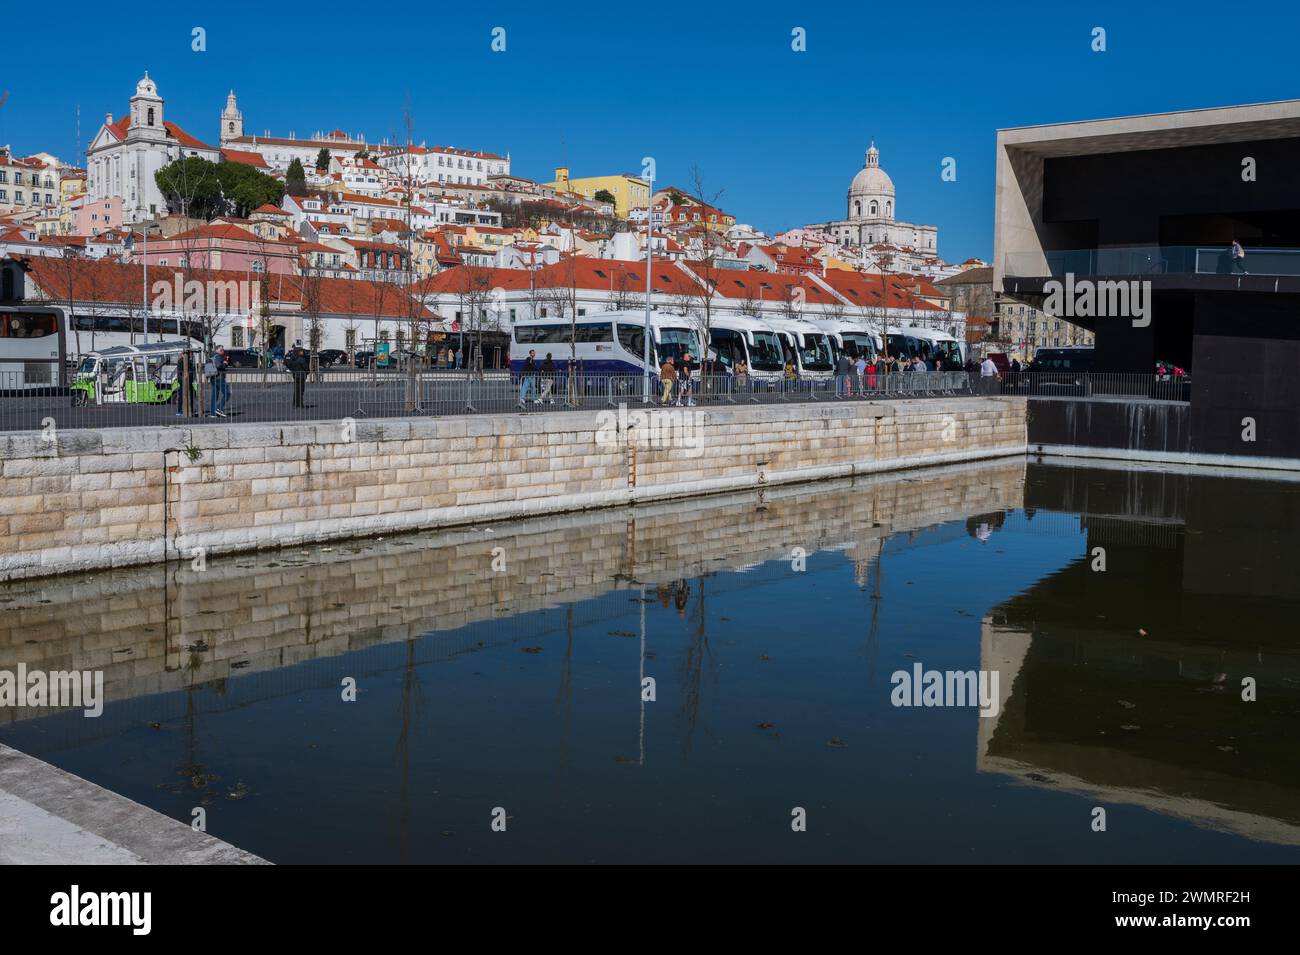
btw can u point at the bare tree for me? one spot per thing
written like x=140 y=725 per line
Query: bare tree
x=623 y=294
x=751 y=301
x=707 y=266
x=473 y=293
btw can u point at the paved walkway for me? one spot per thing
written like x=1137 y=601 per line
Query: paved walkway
x=49 y=817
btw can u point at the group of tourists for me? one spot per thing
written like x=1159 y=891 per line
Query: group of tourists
x=537 y=380
x=865 y=374
x=673 y=375
x=297 y=362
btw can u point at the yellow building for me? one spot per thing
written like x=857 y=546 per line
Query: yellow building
x=629 y=192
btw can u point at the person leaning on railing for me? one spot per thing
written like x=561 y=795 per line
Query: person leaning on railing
x=742 y=375
x=988 y=376
x=790 y=376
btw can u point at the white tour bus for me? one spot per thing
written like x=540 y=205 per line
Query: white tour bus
x=927 y=343
x=811 y=347
x=33 y=353
x=736 y=338
x=607 y=343
x=851 y=337
x=90 y=333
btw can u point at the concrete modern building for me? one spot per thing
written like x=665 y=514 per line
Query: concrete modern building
x=1125 y=226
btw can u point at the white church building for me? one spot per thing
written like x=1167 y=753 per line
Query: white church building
x=870 y=214
x=125 y=154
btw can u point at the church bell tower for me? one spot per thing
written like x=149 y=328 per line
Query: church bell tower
x=232 y=120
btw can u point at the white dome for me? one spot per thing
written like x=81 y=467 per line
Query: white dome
x=871 y=180
x=146 y=86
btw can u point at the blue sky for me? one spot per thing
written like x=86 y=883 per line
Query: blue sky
x=781 y=133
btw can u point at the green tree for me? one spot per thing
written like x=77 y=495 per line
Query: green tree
x=295 y=180
x=205 y=190
x=604 y=195
x=322 y=160
x=245 y=188
x=192 y=187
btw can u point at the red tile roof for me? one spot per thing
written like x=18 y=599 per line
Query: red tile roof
x=245 y=158
x=108 y=282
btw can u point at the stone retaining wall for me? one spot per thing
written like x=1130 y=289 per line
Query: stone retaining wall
x=80 y=500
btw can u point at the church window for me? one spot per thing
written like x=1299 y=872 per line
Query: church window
x=232 y=127
x=857 y=208
x=150 y=122
x=875 y=209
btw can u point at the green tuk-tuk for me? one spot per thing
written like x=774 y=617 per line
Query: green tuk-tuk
x=136 y=374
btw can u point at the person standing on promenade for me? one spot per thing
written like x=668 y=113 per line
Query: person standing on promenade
x=297 y=364
x=220 y=394
x=667 y=375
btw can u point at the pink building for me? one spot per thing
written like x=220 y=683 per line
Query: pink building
x=221 y=246
x=93 y=216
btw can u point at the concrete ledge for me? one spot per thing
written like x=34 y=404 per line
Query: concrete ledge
x=49 y=817
x=1236 y=461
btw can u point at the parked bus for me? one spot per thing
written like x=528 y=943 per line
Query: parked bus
x=33 y=354
x=852 y=338
x=607 y=343
x=736 y=338
x=927 y=343
x=89 y=333
x=813 y=353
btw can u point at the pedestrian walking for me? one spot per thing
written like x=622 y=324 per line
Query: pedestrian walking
x=528 y=379
x=684 y=383
x=220 y=391
x=742 y=376
x=548 y=379
x=298 y=364
x=667 y=375
x=1237 y=255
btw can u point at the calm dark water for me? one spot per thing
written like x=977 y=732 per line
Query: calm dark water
x=520 y=689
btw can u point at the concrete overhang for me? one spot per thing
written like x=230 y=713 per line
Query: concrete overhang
x=1197 y=127
x=1022 y=153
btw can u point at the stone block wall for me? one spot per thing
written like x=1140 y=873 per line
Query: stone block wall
x=96 y=499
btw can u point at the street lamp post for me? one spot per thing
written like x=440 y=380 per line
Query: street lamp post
x=144 y=292
x=649 y=278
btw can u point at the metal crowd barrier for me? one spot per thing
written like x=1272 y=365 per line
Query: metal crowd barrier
x=361 y=393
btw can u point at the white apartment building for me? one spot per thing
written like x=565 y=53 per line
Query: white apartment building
x=443 y=164
x=27 y=185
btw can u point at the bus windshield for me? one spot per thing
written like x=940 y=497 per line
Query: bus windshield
x=950 y=351
x=858 y=343
x=815 y=353
x=900 y=346
x=677 y=342
x=765 y=353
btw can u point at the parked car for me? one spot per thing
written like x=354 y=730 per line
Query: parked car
x=332 y=356
x=362 y=359
x=244 y=357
